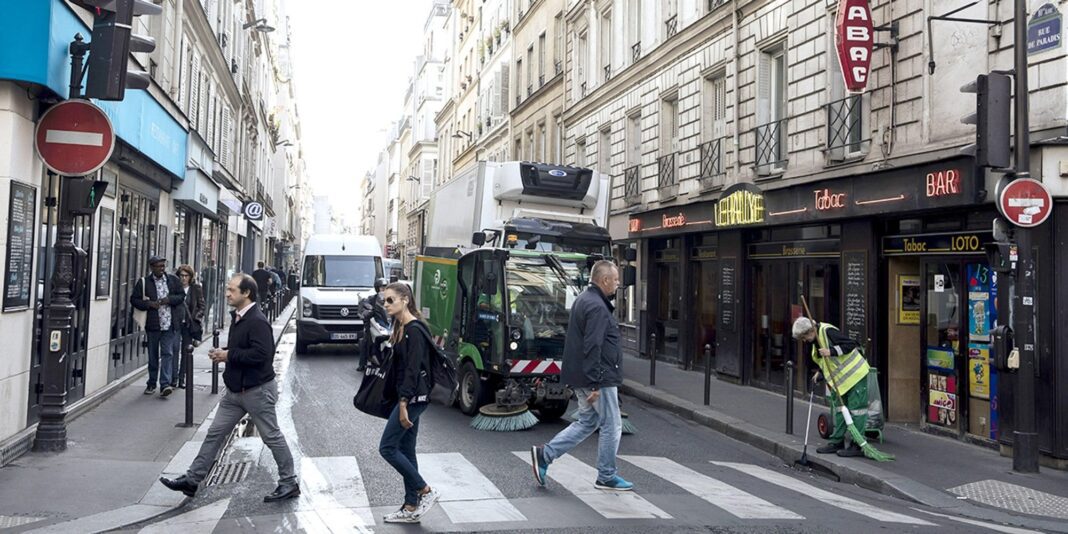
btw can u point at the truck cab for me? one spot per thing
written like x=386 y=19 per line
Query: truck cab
x=337 y=271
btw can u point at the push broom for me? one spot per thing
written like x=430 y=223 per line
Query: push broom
x=858 y=437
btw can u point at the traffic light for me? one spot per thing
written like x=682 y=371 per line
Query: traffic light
x=111 y=45
x=993 y=97
x=83 y=196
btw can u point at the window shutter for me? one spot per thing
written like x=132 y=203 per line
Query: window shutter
x=194 y=91
x=202 y=113
x=210 y=134
x=227 y=139
x=764 y=90
x=719 y=107
x=496 y=106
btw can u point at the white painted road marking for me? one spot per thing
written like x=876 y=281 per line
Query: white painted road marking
x=984 y=524
x=578 y=478
x=467 y=496
x=71 y=137
x=825 y=497
x=735 y=501
x=200 y=520
x=335 y=481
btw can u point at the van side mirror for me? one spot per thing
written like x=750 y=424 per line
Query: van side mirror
x=630 y=275
x=478 y=239
x=630 y=254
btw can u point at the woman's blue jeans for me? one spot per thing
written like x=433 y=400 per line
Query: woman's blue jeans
x=397 y=447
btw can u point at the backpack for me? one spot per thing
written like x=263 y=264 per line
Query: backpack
x=442 y=369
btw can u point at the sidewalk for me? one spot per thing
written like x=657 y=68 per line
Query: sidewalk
x=927 y=468
x=107 y=476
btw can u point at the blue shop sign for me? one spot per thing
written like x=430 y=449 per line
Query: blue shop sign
x=34 y=37
x=1044 y=30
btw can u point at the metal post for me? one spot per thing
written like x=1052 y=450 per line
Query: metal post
x=708 y=373
x=187 y=362
x=790 y=396
x=1025 y=436
x=215 y=365
x=51 y=435
x=652 y=359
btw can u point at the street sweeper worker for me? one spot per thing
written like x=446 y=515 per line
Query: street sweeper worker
x=839 y=360
x=592 y=360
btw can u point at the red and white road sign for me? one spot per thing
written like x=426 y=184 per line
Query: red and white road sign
x=1025 y=202
x=74 y=138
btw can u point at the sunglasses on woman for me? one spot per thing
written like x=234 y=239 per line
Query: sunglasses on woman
x=390 y=300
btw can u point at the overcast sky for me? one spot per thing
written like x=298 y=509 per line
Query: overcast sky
x=351 y=60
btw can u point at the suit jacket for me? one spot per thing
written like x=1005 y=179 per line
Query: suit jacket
x=250 y=351
x=175 y=297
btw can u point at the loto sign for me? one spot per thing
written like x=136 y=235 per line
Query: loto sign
x=854 y=38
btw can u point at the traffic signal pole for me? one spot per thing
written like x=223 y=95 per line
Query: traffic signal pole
x=1025 y=436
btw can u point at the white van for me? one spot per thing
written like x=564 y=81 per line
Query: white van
x=337 y=271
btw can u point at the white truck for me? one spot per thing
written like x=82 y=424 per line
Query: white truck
x=534 y=206
x=337 y=272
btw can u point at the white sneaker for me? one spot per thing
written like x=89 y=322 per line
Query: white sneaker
x=401 y=516
x=426 y=502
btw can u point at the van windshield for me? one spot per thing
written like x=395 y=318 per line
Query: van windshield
x=341 y=271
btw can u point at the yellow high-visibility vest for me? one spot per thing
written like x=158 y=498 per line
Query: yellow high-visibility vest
x=844 y=371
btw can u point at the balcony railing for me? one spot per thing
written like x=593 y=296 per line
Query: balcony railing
x=558 y=67
x=667 y=176
x=636 y=51
x=712 y=164
x=672 y=26
x=845 y=127
x=632 y=185
x=713 y=4
x=530 y=90
x=582 y=89
x=770 y=147
x=608 y=71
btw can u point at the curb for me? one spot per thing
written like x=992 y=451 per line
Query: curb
x=856 y=472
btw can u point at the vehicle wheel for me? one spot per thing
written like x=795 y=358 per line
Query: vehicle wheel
x=550 y=410
x=302 y=345
x=825 y=425
x=473 y=392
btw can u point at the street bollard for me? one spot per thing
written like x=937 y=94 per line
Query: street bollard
x=187 y=359
x=215 y=365
x=652 y=359
x=790 y=396
x=708 y=373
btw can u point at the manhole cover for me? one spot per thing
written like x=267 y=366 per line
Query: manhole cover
x=1016 y=498
x=11 y=521
x=228 y=473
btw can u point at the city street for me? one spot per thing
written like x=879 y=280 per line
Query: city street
x=687 y=477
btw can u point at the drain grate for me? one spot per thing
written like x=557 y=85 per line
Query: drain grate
x=12 y=521
x=1014 y=498
x=228 y=473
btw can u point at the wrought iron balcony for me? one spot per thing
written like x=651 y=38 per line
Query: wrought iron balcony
x=672 y=26
x=712 y=163
x=667 y=175
x=845 y=127
x=632 y=185
x=770 y=146
x=713 y=4
x=636 y=51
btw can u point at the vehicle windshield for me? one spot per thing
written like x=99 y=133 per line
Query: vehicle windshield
x=539 y=301
x=341 y=271
x=544 y=243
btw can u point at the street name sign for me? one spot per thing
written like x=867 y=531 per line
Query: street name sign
x=74 y=138
x=1025 y=202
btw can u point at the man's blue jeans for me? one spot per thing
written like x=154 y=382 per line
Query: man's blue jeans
x=604 y=414
x=398 y=448
x=161 y=347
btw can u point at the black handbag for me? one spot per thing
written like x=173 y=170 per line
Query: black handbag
x=377 y=394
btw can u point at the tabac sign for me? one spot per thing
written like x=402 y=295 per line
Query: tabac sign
x=853 y=40
x=740 y=205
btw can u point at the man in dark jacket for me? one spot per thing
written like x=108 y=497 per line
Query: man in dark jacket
x=264 y=280
x=592 y=359
x=251 y=389
x=160 y=295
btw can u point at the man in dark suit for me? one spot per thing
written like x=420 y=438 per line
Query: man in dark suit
x=160 y=295
x=251 y=389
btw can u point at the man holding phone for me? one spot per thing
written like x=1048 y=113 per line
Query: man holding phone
x=158 y=294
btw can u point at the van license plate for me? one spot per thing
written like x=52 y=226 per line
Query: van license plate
x=344 y=336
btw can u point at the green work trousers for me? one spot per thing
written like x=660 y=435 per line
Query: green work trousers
x=856 y=400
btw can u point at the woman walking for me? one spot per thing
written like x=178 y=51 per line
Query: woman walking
x=193 y=319
x=411 y=364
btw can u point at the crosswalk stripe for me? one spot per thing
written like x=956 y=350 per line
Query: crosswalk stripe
x=467 y=496
x=332 y=489
x=984 y=524
x=733 y=500
x=200 y=520
x=578 y=478
x=826 y=497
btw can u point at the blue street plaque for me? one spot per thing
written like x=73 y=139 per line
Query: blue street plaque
x=1044 y=30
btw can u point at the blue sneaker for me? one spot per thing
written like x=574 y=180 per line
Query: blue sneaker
x=537 y=461
x=616 y=484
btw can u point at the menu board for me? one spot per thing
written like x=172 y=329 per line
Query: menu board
x=103 y=253
x=22 y=214
x=727 y=290
x=855 y=295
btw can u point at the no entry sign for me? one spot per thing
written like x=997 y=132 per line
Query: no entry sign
x=1025 y=202
x=74 y=138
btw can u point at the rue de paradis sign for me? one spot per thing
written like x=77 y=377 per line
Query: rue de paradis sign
x=935 y=185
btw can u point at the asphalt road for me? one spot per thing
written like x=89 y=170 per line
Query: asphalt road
x=690 y=478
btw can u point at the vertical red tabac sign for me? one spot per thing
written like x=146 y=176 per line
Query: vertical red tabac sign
x=853 y=39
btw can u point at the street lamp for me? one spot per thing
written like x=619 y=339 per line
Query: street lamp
x=259 y=25
x=284 y=142
x=456 y=135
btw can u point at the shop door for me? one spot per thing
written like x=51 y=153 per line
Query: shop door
x=706 y=310
x=822 y=289
x=668 y=308
x=135 y=241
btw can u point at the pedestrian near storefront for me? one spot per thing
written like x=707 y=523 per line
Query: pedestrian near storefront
x=840 y=359
x=251 y=389
x=158 y=295
x=192 y=318
x=592 y=360
x=414 y=381
x=264 y=280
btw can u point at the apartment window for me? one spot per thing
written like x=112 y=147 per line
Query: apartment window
x=530 y=146
x=558 y=46
x=713 y=128
x=771 y=111
x=558 y=139
x=530 y=71
x=518 y=152
x=604 y=151
x=671 y=18
x=541 y=59
x=581 y=55
x=519 y=81
x=634 y=28
x=606 y=45
x=634 y=139
x=580 y=152
x=669 y=144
